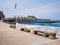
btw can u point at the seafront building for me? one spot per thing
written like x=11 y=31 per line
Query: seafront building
x=28 y=19
x=9 y=20
x=2 y=15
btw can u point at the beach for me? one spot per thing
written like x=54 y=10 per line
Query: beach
x=10 y=36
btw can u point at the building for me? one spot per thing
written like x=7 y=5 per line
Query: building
x=30 y=19
x=1 y=15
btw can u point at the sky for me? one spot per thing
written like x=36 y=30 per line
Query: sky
x=46 y=9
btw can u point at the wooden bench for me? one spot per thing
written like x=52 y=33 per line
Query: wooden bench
x=41 y=32
x=13 y=26
x=25 y=29
x=46 y=34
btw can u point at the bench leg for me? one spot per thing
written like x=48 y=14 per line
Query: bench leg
x=35 y=32
x=22 y=29
x=45 y=35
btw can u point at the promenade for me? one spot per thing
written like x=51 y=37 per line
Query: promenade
x=9 y=36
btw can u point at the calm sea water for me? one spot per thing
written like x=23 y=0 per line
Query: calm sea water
x=44 y=24
x=47 y=24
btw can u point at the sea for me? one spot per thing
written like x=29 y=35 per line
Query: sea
x=44 y=24
x=56 y=26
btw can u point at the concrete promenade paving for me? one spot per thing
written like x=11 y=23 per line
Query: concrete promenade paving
x=9 y=36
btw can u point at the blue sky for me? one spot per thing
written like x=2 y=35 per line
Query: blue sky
x=47 y=9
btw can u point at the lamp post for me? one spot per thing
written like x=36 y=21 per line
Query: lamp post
x=15 y=18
